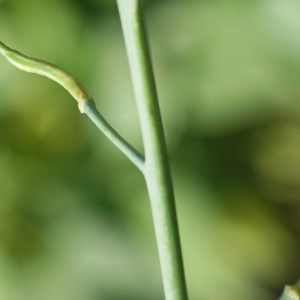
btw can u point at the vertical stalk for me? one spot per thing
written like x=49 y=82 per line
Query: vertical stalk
x=157 y=172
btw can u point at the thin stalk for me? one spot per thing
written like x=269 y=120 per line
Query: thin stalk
x=88 y=107
x=157 y=172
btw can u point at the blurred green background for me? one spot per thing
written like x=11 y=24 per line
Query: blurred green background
x=75 y=220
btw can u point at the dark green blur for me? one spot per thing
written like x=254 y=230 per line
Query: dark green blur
x=75 y=221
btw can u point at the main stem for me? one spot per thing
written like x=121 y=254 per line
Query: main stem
x=157 y=171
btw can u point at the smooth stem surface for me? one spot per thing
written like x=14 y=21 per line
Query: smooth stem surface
x=88 y=107
x=157 y=171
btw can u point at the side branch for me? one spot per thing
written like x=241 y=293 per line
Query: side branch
x=89 y=107
x=73 y=86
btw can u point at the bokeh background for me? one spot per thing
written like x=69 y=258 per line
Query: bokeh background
x=75 y=220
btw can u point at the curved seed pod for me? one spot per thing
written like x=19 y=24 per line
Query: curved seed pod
x=32 y=65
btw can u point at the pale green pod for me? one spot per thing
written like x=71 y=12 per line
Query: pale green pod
x=32 y=65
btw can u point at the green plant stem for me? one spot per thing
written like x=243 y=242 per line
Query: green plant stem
x=157 y=172
x=88 y=107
